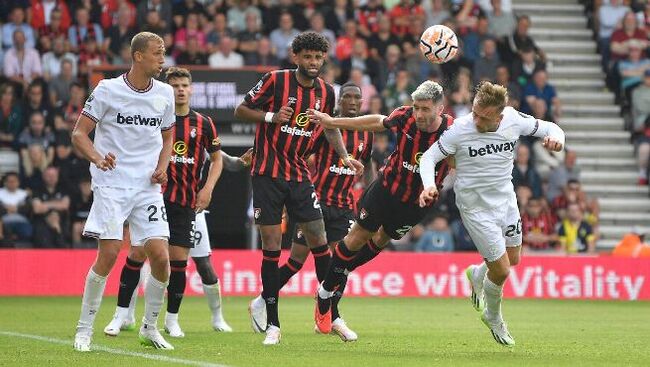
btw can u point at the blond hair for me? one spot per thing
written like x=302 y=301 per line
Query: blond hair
x=491 y=95
x=140 y=41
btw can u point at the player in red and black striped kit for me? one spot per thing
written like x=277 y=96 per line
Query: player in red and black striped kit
x=280 y=176
x=389 y=207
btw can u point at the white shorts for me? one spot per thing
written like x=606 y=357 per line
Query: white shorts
x=144 y=210
x=201 y=238
x=492 y=230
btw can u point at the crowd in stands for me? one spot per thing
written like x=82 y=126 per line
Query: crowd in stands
x=49 y=46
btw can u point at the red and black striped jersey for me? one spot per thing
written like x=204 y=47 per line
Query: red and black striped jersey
x=544 y=223
x=280 y=148
x=401 y=173
x=194 y=136
x=332 y=179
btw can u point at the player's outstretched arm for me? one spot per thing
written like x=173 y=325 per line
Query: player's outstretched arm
x=204 y=195
x=428 y=162
x=335 y=139
x=247 y=114
x=553 y=136
x=236 y=164
x=360 y=123
x=82 y=142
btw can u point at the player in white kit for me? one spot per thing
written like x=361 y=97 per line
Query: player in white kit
x=132 y=116
x=483 y=144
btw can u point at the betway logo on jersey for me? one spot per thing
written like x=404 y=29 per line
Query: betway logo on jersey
x=492 y=149
x=341 y=170
x=296 y=131
x=138 y=120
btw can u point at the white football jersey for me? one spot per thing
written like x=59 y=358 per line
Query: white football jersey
x=484 y=161
x=129 y=124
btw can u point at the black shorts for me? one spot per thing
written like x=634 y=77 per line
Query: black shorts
x=338 y=222
x=378 y=208
x=181 y=224
x=271 y=195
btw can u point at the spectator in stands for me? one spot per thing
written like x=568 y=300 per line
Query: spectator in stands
x=33 y=166
x=90 y=56
x=641 y=127
x=609 y=18
x=22 y=63
x=436 y=12
x=124 y=57
x=272 y=18
x=51 y=207
x=437 y=237
x=237 y=15
x=264 y=55
x=58 y=25
x=540 y=88
x=193 y=54
x=51 y=61
x=282 y=37
x=389 y=66
x=380 y=150
x=524 y=173
x=191 y=28
x=11 y=116
x=622 y=37
x=561 y=175
x=248 y=38
x=485 y=67
x=399 y=93
x=15 y=205
x=403 y=14
x=226 y=57
x=335 y=19
x=376 y=106
x=119 y=34
x=17 y=23
x=153 y=23
x=512 y=45
x=46 y=12
x=163 y=10
x=380 y=40
x=514 y=90
x=369 y=15
x=473 y=40
x=538 y=226
x=81 y=202
x=61 y=84
x=523 y=193
x=70 y=162
x=317 y=23
x=36 y=133
x=462 y=238
x=502 y=23
x=36 y=102
x=74 y=106
x=633 y=68
x=84 y=29
x=368 y=90
x=466 y=13
x=219 y=30
x=573 y=193
x=575 y=234
x=360 y=59
x=525 y=66
x=183 y=8
x=345 y=43
x=461 y=95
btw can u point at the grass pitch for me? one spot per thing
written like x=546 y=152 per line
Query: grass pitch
x=392 y=332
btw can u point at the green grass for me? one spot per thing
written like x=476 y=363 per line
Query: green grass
x=393 y=332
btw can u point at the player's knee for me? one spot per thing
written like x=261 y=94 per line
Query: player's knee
x=137 y=253
x=514 y=259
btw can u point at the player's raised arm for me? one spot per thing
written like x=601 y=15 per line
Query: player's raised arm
x=361 y=123
x=440 y=150
x=553 y=135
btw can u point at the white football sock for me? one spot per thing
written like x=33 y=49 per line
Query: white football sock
x=213 y=295
x=479 y=275
x=154 y=296
x=493 y=294
x=92 y=299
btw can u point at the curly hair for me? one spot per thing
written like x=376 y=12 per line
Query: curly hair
x=310 y=41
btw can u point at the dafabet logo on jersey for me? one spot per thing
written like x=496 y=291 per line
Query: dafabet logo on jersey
x=138 y=120
x=414 y=165
x=180 y=148
x=301 y=120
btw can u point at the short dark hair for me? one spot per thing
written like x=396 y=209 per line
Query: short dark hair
x=573 y=181
x=348 y=85
x=176 y=72
x=310 y=41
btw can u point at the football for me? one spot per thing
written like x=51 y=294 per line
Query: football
x=439 y=44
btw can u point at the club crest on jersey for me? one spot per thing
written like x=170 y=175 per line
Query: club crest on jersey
x=257 y=212
x=299 y=233
x=363 y=214
x=216 y=141
x=360 y=147
x=317 y=105
x=193 y=133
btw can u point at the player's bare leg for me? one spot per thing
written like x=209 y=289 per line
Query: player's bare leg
x=176 y=289
x=271 y=242
x=124 y=317
x=94 y=290
x=496 y=276
x=154 y=294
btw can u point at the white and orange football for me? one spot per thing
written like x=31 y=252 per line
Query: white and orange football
x=439 y=44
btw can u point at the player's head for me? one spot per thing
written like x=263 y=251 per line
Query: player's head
x=181 y=80
x=350 y=100
x=309 y=50
x=489 y=102
x=574 y=212
x=148 y=53
x=427 y=105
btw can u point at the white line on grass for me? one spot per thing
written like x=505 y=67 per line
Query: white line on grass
x=102 y=348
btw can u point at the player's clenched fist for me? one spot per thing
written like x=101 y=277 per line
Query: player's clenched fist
x=159 y=176
x=428 y=196
x=551 y=144
x=107 y=163
x=283 y=116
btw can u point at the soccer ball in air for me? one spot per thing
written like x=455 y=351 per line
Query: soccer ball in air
x=439 y=44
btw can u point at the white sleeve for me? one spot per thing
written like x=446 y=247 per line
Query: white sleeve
x=169 y=117
x=441 y=149
x=96 y=106
x=531 y=126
